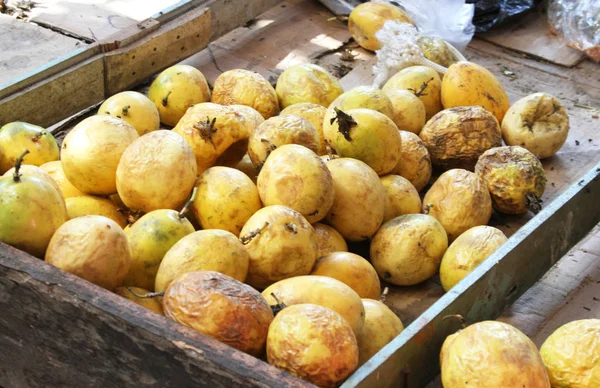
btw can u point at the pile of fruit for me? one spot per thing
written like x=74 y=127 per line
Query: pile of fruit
x=236 y=221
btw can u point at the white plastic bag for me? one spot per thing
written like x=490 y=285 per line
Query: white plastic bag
x=579 y=22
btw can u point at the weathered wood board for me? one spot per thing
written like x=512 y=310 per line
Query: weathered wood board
x=530 y=34
x=25 y=47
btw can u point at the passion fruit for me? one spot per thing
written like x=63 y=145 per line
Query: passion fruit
x=17 y=137
x=133 y=107
x=352 y=270
x=456 y=137
x=296 y=177
x=514 y=177
x=381 y=327
x=359 y=203
x=436 y=50
x=55 y=170
x=367 y=97
x=204 y=250
x=221 y=307
x=314 y=113
x=307 y=82
x=246 y=87
x=407 y=250
x=401 y=197
x=87 y=205
x=176 y=89
x=414 y=163
x=459 y=200
x=138 y=296
x=491 y=354
x=329 y=240
x=368 y=18
x=409 y=111
x=100 y=257
x=313 y=343
x=281 y=244
x=91 y=152
x=423 y=82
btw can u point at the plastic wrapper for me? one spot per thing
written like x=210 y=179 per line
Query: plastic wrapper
x=490 y=13
x=579 y=22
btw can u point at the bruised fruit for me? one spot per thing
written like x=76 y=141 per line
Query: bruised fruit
x=350 y=269
x=94 y=248
x=381 y=327
x=364 y=134
x=459 y=200
x=55 y=170
x=313 y=113
x=296 y=177
x=307 y=82
x=313 y=343
x=91 y=152
x=216 y=133
x=17 y=137
x=251 y=115
x=436 y=50
x=247 y=167
x=150 y=238
x=401 y=197
x=133 y=107
x=157 y=171
x=87 y=205
x=278 y=131
x=538 y=123
x=367 y=97
x=246 y=87
x=176 y=89
x=407 y=250
x=204 y=250
x=571 y=354
x=409 y=112
x=329 y=240
x=491 y=354
x=323 y=291
x=281 y=243
x=136 y=295
x=226 y=199
x=456 y=137
x=514 y=177
x=31 y=209
x=423 y=82
x=469 y=84
x=359 y=203
x=368 y=18
x=414 y=163
x=468 y=251
x=221 y=307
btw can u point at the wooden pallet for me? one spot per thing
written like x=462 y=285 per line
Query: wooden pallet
x=109 y=334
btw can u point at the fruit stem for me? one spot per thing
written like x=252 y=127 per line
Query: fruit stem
x=384 y=294
x=165 y=99
x=38 y=136
x=345 y=123
x=125 y=110
x=19 y=161
x=419 y=92
x=278 y=306
x=189 y=203
x=427 y=208
x=146 y=296
x=250 y=236
x=533 y=203
x=461 y=319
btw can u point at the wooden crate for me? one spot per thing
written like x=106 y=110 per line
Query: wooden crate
x=59 y=330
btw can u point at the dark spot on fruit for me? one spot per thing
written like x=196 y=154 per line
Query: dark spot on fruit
x=107 y=226
x=387 y=275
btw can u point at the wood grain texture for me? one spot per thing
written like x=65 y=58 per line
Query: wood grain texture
x=531 y=35
x=26 y=46
x=58 y=330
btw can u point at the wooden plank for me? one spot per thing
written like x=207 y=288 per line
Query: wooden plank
x=53 y=320
x=172 y=42
x=25 y=47
x=484 y=293
x=530 y=34
x=58 y=96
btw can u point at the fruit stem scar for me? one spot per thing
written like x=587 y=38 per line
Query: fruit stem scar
x=38 y=136
x=533 y=203
x=125 y=110
x=165 y=99
x=461 y=319
x=250 y=236
x=345 y=123
x=428 y=208
x=18 y=162
x=291 y=227
x=207 y=129
x=422 y=88
x=189 y=203
x=146 y=296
